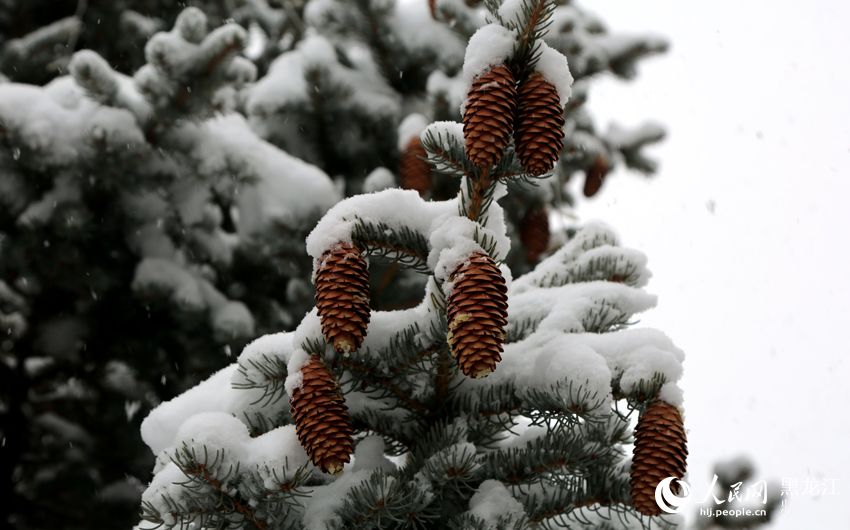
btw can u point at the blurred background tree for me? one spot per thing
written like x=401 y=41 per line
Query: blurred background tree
x=155 y=193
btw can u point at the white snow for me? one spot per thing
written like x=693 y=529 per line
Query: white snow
x=285 y=86
x=490 y=46
x=394 y=207
x=445 y=130
x=418 y=32
x=320 y=507
x=308 y=331
x=233 y=319
x=369 y=455
x=410 y=127
x=160 y=427
x=378 y=179
x=493 y=500
x=553 y=65
x=158 y=273
x=283 y=189
x=451 y=88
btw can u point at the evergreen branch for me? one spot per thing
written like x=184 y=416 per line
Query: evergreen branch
x=614 y=266
x=563 y=404
x=369 y=375
x=406 y=349
x=239 y=506
x=382 y=501
x=553 y=454
x=273 y=372
x=399 y=436
x=535 y=20
x=644 y=393
x=402 y=245
x=446 y=155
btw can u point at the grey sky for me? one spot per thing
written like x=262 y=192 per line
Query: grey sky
x=746 y=229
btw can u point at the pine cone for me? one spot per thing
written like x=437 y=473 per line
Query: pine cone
x=534 y=233
x=488 y=119
x=539 y=133
x=342 y=297
x=477 y=315
x=661 y=451
x=414 y=171
x=321 y=418
x=594 y=176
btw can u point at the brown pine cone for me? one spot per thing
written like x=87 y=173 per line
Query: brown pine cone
x=477 y=315
x=488 y=119
x=594 y=176
x=321 y=418
x=414 y=171
x=534 y=233
x=661 y=451
x=539 y=133
x=342 y=297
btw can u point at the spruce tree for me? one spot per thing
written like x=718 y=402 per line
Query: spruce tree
x=492 y=401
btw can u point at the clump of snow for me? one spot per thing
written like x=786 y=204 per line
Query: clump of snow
x=321 y=506
x=410 y=127
x=671 y=393
x=418 y=32
x=555 y=69
x=286 y=87
x=216 y=431
x=646 y=361
x=275 y=454
x=490 y=46
x=452 y=89
x=309 y=330
x=167 y=483
x=160 y=428
x=369 y=455
x=232 y=320
x=594 y=249
x=282 y=189
x=395 y=207
x=454 y=239
x=294 y=377
x=637 y=355
x=492 y=500
x=622 y=138
x=157 y=273
x=275 y=345
x=445 y=130
x=379 y=179
x=564 y=308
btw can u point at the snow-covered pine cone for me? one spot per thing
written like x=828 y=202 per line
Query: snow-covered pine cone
x=594 y=176
x=477 y=315
x=534 y=233
x=488 y=119
x=661 y=451
x=539 y=135
x=414 y=171
x=321 y=418
x=342 y=297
